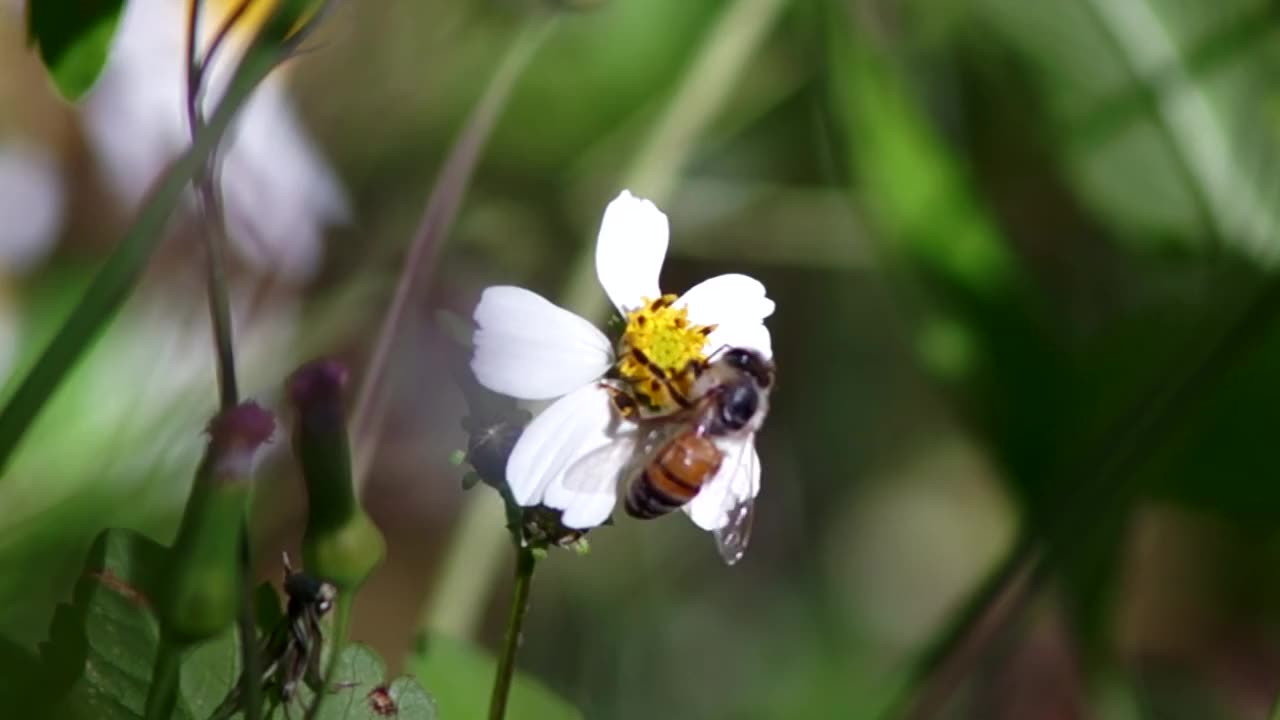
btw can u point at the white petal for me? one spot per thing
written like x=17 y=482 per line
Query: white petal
x=588 y=488
x=279 y=192
x=727 y=300
x=528 y=347
x=133 y=115
x=754 y=336
x=737 y=480
x=570 y=428
x=630 y=249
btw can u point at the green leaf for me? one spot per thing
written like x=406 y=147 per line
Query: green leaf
x=74 y=37
x=101 y=646
x=461 y=678
x=358 y=684
x=208 y=671
x=97 y=662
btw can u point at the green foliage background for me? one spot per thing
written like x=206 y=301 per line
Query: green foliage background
x=1023 y=257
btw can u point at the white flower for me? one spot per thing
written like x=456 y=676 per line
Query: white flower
x=278 y=193
x=529 y=348
x=32 y=205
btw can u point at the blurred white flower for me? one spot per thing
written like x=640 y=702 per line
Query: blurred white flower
x=32 y=201
x=279 y=194
x=529 y=348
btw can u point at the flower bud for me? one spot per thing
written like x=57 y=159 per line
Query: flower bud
x=341 y=543
x=203 y=595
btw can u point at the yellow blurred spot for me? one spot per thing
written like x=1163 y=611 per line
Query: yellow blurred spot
x=257 y=12
x=255 y=15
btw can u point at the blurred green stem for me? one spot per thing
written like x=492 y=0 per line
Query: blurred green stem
x=115 y=281
x=525 y=564
x=433 y=228
x=476 y=548
x=1110 y=476
x=210 y=221
x=247 y=629
x=655 y=169
x=212 y=228
x=162 y=696
x=337 y=641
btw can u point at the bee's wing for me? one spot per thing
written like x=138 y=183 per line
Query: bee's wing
x=588 y=489
x=739 y=506
x=725 y=504
x=598 y=471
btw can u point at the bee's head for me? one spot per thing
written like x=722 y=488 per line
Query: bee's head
x=750 y=362
x=738 y=405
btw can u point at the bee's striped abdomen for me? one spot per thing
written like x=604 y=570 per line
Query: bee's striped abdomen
x=674 y=476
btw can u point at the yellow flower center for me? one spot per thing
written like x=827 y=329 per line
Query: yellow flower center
x=660 y=353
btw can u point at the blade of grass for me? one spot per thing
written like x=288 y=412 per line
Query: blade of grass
x=1110 y=462
x=434 y=226
x=1197 y=139
x=116 y=279
x=1194 y=132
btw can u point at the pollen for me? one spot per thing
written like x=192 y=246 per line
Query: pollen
x=660 y=353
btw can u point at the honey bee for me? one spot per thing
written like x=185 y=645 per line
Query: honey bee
x=701 y=457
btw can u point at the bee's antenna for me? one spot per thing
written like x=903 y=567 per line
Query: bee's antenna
x=712 y=357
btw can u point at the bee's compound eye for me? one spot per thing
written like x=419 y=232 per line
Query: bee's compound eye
x=739 y=406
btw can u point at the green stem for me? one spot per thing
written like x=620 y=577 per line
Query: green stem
x=525 y=564
x=213 y=229
x=247 y=628
x=219 y=300
x=162 y=697
x=341 y=628
x=112 y=285
x=212 y=225
x=337 y=641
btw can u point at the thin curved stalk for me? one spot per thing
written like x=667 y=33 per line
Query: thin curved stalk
x=525 y=564
x=434 y=226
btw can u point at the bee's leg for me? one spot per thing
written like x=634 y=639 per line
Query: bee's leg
x=677 y=395
x=623 y=402
x=662 y=377
x=644 y=360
